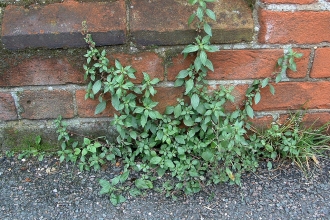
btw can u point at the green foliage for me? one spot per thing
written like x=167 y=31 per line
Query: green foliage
x=92 y=153
x=34 y=148
x=196 y=142
x=294 y=141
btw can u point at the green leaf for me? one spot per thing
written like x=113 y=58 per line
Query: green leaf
x=197 y=63
x=143 y=184
x=192 y=2
x=257 y=98
x=207 y=29
x=188 y=122
x=115 y=101
x=84 y=152
x=209 y=65
x=100 y=107
x=97 y=86
x=269 y=165
x=190 y=49
x=194 y=101
x=124 y=176
x=189 y=86
x=177 y=111
x=200 y=13
x=169 y=110
x=155 y=160
x=115 y=180
x=134 y=192
x=106 y=186
x=249 y=111
x=210 y=14
x=272 y=89
x=143 y=120
x=154 y=81
x=118 y=65
x=278 y=78
x=133 y=134
x=203 y=57
x=116 y=199
x=181 y=150
x=178 y=82
x=207 y=155
x=191 y=19
x=161 y=171
x=264 y=82
x=169 y=163
x=180 y=139
x=182 y=74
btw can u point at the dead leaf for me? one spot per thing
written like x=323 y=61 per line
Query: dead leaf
x=315 y=160
x=23 y=168
x=50 y=170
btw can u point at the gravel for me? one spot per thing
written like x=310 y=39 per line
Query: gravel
x=30 y=189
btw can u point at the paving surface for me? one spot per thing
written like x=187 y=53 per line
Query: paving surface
x=46 y=190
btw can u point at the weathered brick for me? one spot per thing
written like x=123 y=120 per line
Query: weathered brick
x=59 y=25
x=261 y=122
x=289 y=1
x=301 y=27
x=46 y=104
x=167 y=96
x=238 y=93
x=7 y=107
x=243 y=64
x=147 y=62
x=308 y=120
x=295 y=95
x=316 y=120
x=86 y=108
x=41 y=71
x=321 y=64
x=178 y=64
x=302 y=64
x=160 y=22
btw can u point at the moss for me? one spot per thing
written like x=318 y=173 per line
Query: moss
x=18 y=141
x=251 y=3
x=26 y=3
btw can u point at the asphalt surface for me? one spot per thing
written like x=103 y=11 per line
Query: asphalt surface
x=30 y=189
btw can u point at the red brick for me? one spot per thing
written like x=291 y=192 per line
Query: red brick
x=316 y=120
x=147 y=62
x=308 y=120
x=167 y=96
x=295 y=95
x=301 y=27
x=178 y=64
x=59 y=25
x=7 y=107
x=321 y=65
x=160 y=22
x=238 y=93
x=86 y=108
x=41 y=71
x=289 y=1
x=45 y=104
x=261 y=122
x=302 y=64
x=243 y=64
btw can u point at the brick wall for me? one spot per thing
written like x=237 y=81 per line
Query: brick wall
x=41 y=73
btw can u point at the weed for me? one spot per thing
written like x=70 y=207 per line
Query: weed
x=196 y=142
x=35 y=149
x=292 y=140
